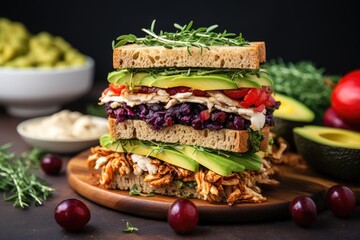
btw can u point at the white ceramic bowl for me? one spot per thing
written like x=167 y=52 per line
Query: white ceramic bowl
x=30 y=92
x=59 y=146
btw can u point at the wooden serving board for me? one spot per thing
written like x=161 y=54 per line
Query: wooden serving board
x=294 y=182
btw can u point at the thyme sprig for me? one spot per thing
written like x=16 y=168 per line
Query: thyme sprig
x=184 y=36
x=19 y=185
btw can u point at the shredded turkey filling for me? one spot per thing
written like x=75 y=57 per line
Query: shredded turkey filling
x=235 y=188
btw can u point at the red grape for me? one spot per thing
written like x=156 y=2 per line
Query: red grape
x=303 y=211
x=341 y=200
x=183 y=216
x=51 y=164
x=72 y=214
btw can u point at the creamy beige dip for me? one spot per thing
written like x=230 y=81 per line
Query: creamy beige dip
x=67 y=125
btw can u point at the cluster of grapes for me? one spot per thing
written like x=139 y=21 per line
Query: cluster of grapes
x=340 y=200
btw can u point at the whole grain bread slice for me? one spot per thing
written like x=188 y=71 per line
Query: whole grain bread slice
x=140 y=56
x=224 y=139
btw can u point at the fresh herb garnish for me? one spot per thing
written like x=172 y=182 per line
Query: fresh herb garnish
x=135 y=192
x=20 y=186
x=184 y=36
x=255 y=139
x=304 y=82
x=209 y=150
x=232 y=73
x=129 y=228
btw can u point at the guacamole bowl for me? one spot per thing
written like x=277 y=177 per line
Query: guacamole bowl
x=30 y=92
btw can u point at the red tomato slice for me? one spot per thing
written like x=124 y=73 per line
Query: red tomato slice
x=175 y=90
x=198 y=92
x=116 y=88
x=259 y=108
x=270 y=101
x=236 y=93
x=252 y=96
x=263 y=96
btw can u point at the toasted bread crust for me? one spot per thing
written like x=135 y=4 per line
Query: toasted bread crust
x=139 y=56
x=224 y=139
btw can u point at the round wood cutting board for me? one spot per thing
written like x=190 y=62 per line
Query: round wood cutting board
x=293 y=182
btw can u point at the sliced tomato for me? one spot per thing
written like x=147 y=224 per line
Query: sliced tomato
x=270 y=101
x=252 y=96
x=199 y=93
x=259 y=108
x=116 y=88
x=175 y=90
x=263 y=96
x=236 y=93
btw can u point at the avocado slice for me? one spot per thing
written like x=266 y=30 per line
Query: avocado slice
x=202 y=82
x=124 y=77
x=137 y=147
x=205 y=82
x=254 y=81
x=251 y=161
x=331 y=151
x=216 y=163
x=291 y=114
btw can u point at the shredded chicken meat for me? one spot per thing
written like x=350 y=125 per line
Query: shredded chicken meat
x=232 y=189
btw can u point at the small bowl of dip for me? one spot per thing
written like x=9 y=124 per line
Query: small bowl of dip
x=63 y=132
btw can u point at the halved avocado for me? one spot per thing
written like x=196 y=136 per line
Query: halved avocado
x=291 y=113
x=331 y=151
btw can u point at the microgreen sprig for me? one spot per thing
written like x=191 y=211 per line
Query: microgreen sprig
x=184 y=36
x=135 y=192
x=232 y=73
x=129 y=228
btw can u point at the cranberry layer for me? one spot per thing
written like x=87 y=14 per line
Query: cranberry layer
x=188 y=114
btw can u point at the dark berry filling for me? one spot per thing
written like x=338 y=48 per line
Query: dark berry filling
x=189 y=114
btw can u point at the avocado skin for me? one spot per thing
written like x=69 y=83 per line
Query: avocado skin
x=337 y=162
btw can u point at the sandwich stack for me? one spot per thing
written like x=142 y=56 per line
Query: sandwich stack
x=189 y=114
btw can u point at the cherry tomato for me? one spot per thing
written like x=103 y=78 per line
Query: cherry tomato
x=183 y=216
x=345 y=98
x=236 y=93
